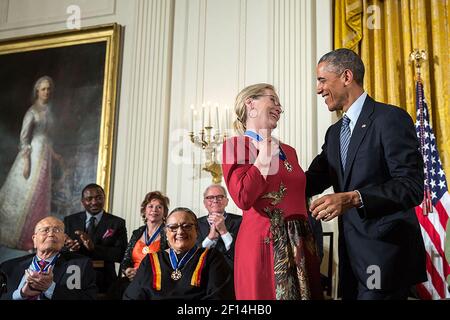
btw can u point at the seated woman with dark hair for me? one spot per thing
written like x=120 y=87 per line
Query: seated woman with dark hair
x=147 y=238
x=184 y=271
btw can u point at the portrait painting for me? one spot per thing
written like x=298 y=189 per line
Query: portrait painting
x=57 y=104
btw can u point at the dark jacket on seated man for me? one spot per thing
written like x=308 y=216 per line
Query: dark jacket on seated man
x=73 y=275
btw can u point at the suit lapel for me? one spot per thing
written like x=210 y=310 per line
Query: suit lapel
x=358 y=134
x=58 y=270
x=101 y=227
x=334 y=149
x=80 y=222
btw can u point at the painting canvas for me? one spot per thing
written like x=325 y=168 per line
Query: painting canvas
x=57 y=107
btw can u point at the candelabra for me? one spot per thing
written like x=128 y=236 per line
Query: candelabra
x=209 y=144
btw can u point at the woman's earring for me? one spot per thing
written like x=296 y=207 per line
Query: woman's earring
x=253 y=113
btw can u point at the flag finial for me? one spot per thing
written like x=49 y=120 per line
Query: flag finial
x=418 y=57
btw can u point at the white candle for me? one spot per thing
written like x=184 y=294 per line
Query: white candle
x=227 y=119
x=217 y=117
x=209 y=114
x=203 y=115
x=192 y=117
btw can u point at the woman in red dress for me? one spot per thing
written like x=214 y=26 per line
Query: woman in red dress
x=275 y=253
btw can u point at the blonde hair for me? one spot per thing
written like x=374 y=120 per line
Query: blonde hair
x=239 y=105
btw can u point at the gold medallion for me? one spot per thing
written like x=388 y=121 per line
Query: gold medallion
x=176 y=275
x=288 y=166
x=145 y=250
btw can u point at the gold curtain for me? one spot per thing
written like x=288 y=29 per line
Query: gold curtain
x=384 y=33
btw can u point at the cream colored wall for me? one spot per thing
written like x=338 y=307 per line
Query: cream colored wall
x=182 y=52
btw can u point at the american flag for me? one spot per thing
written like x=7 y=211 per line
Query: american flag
x=434 y=211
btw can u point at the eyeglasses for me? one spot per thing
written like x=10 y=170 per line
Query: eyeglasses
x=47 y=230
x=274 y=99
x=219 y=197
x=185 y=227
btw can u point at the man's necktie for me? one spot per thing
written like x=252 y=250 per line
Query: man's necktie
x=345 y=139
x=91 y=227
x=42 y=264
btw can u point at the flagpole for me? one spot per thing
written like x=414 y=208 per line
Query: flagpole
x=418 y=57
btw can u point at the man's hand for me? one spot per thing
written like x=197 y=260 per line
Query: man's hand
x=27 y=292
x=130 y=273
x=39 y=281
x=217 y=222
x=330 y=206
x=85 y=240
x=72 y=245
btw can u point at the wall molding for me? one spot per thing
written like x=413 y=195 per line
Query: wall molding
x=11 y=18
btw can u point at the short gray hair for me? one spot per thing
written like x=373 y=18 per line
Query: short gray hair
x=215 y=186
x=341 y=59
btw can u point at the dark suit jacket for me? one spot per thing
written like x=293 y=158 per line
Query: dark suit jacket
x=232 y=222
x=108 y=248
x=15 y=269
x=385 y=166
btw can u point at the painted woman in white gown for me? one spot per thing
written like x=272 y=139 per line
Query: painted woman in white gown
x=26 y=193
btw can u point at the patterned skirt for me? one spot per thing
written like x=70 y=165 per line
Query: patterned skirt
x=296 y=262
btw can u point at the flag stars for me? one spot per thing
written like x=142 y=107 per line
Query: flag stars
x=441 y=172
x=433 y=172
x=433 y=160
x=433 y=183
x=433 y=148
x=433 y=195
x=442 y=184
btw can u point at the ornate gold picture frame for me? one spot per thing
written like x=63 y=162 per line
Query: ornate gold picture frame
x=69 y=140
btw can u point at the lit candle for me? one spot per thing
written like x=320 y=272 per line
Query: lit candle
x=192 y=117
x=227 y=119
x=203 y=115
x=217 y=116
x=209 y=114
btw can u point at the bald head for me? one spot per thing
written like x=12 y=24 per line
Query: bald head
x=53 y=221
x=48 y=237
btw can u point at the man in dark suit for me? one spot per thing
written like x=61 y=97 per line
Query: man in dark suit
x=219 y=228
x=371 y=159
x=49 y=274
x=98 y=235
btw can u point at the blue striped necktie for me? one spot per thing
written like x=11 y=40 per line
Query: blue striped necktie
x=345 y=139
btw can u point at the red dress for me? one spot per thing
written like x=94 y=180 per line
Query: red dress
x=275 y=253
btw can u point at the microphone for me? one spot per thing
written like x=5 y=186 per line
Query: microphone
x=3 y=280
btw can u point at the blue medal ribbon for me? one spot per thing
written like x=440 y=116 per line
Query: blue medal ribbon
x=153 y=237
x=38 y=268
x=253 y=135
x=180 y=264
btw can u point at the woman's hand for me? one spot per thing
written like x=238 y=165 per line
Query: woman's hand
x=26 y=166
x=268 y=149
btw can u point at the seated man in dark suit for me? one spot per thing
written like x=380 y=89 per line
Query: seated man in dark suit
x=219 y=228
x=49 y=274
x=98 y=235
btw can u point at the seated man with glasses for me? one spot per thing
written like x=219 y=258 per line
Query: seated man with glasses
x=184 y=271
x=219 y=228
x=49 y=274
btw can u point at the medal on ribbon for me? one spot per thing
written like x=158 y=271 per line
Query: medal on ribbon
x=283 y=158
x=178 y=265
x=148 y=241
x=37 y=266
